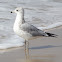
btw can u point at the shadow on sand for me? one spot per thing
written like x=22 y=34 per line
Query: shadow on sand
x=43 y=47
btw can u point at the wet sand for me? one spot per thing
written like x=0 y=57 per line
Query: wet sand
x=40 y=50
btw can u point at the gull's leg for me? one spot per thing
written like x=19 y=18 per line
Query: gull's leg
x=27 y=49
x=25 y=44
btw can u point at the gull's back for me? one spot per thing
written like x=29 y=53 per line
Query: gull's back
x=32 y=30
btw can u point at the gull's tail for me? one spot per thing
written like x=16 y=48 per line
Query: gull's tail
x=51 y=35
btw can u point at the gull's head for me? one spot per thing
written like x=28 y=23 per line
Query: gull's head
x=18 y=10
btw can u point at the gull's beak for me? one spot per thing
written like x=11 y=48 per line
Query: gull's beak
x=12 y=11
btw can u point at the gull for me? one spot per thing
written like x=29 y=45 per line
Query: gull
x=26 y=30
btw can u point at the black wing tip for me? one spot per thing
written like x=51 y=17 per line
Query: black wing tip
x=51 y=35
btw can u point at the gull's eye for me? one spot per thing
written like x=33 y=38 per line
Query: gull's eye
x=16 y=10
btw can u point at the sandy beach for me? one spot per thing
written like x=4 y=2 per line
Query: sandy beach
x=40 y=50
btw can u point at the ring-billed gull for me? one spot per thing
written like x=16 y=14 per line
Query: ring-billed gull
x=26 y=30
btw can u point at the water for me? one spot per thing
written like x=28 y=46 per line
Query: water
x=44 y=14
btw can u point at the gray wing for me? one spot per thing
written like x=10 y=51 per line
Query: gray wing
x=32 y=30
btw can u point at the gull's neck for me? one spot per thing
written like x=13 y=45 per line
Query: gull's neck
x=18 y=21
x=20 y=18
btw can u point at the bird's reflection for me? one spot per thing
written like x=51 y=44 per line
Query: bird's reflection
x=29 y=58
x=43 y=58
x=26 y=50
